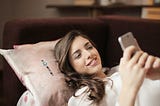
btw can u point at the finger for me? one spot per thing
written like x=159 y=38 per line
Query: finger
x=156 y=63
x=136 y=57
x=122 y=62
x=128 y=52
x=142 y=59
x=149 y=62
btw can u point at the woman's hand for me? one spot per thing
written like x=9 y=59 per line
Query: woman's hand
x=132 y=67
x=153 y=70
x=132 y=71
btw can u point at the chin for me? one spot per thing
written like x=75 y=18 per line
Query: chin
x=97 y=69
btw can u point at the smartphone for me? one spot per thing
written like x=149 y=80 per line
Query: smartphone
x=127 y=40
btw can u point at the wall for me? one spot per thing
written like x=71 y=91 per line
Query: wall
x=5 y=14
x=12 y=9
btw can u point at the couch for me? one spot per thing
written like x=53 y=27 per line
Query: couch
x=103 y=30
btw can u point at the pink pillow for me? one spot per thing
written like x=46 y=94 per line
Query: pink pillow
x=37 y=69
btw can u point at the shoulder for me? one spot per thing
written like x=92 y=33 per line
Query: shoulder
x=82 y=91
x=114 y=82
x=111 y=71
x=80 y=98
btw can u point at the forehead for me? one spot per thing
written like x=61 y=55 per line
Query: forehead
x=78 y=42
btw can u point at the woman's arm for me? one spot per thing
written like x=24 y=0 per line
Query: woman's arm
x=132 y=71
x=127 y=97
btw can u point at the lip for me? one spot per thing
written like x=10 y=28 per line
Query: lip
x=92 y=62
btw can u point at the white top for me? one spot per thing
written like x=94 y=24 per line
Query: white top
x=148 y=95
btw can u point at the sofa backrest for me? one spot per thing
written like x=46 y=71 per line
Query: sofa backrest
x=145 y=31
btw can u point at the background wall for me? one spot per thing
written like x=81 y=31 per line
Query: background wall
x=4 y=15
x=12 y=9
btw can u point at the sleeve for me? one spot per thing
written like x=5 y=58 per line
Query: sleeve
x=117 y=104
x=112 y=89
x=81 y=98
x=110 y=98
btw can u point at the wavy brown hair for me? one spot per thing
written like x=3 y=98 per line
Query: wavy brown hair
x=75 y=80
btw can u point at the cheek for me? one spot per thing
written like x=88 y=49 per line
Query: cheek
x=78 y=65
x=96 y=52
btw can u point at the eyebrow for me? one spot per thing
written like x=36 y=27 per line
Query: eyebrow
x=86 y=44
x=79 y=50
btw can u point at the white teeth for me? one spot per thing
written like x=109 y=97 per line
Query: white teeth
x=92 y=62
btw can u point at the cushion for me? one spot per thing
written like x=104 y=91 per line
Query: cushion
x=26 y=99
x=37 y=69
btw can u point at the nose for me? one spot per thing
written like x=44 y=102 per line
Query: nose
x=87 y=54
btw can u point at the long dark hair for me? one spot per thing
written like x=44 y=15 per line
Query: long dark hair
x=75 y=80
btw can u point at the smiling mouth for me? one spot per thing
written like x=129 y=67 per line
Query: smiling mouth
x=93 y=62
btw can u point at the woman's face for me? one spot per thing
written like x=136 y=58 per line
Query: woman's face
x=84 y=57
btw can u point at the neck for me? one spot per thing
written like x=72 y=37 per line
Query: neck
x=101 y=74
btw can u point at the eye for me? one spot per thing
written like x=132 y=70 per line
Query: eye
x=89 y=47
x=77 y=55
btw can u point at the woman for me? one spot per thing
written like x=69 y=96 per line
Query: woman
x=80 y=62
